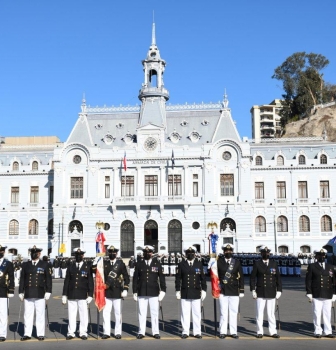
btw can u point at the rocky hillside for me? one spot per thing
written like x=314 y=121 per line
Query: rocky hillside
x=314 y=125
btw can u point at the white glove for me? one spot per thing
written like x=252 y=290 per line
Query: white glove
x=310 y=297
x=135 y=296
x=203 y=295
x=64 y=299
x=278 y=295
x=10 y=295
x=178 y=295
x=47 y=296
x=124 y=293
x=241 y=295
x=95 y=261
x=88 y=300
x=161 y=295
x=21 y=296
x=333 y=298
x=254 y=294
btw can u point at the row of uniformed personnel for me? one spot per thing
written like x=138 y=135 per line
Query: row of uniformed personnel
x=149 y=287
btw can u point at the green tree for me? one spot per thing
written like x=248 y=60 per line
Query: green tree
x=303 y=83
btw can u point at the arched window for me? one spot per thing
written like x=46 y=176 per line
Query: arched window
x=305 y=249
x=326 y=223
x=302 y=160
x=260 y=224
x=258 y=160
x=283 y=249
x=304 y=224
x=323 y=159
x=33 y=227
x=35 y=165
x=13 y=228
x=280 y=160
x=282 y=224
x=15 y=166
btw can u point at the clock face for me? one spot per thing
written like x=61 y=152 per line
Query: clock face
x=150 y=144
x=77 y=159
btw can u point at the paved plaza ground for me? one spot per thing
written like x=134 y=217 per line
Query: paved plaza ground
x=296 y=328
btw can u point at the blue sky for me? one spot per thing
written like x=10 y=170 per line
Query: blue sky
x=51 y=52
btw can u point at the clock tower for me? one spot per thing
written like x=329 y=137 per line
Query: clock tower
x=153 y=96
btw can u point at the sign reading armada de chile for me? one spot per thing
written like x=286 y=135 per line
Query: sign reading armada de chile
x=148 y=161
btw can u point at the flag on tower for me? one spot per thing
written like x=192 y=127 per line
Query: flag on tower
x=125 y=162
x=173 y=159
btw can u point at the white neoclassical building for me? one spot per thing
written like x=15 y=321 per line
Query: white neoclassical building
x=162 y=174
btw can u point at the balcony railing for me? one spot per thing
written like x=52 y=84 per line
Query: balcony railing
x=324 y=200
x=281 y=201
x=302 y=200
x=259 y=201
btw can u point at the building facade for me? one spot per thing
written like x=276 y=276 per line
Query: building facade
x=164 y=175
x=265 y=120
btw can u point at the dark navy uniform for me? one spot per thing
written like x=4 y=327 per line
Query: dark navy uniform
x=190 y=286
x=149 y=287
x=35 y=287
x=320 y=287
x=78 y=291
x=7 y=286
x=266 y=285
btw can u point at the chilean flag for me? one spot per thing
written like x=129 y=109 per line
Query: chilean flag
x=100 y=239
x=125 y=162
x=215 y=284
x=99 y=291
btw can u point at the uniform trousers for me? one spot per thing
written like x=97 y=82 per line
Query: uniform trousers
x=116 y=304
x=321 y=305
x=228 y=307
x=154 y=310
x=31 y=305
x=82 y=307
x=3 y=317
x=166 y=269
x=270 y=306
x=131 y=272
x=56 y=272
x=63 y=272
x=173 y=269
x=193 y=305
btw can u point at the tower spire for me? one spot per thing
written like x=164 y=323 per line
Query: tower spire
x=153 y=32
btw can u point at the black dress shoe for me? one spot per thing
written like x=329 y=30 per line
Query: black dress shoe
x=118 y=336
x=2 y=338
x=25 y=337
x=105 y=336
x=40 y=338
x=69 y=337
x=276 y=336
x=222 y=336
x=156 y=336
x=198 y=336
x=84 y=337
x=331 y=336
x=318 y=336
x=184 y=336
x=259 y=336
x=140 y=336
x=234 y=336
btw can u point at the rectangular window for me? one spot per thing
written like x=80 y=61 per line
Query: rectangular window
x=195 y=189
x=107 y=178
x=76 y=190
x=15 y=195
x=303 y=190
x=127 y=186
x=174 y=185
x=281 y=189
x=195 y=176
x=107 y=190
x=259 y=190
x=324 y=189
x=226 y=185
x=34 y=194
x=51 y=194
x=151 y=185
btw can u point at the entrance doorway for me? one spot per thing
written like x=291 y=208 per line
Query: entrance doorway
x=174 y=236
x=127 y=239
x=151 y=234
